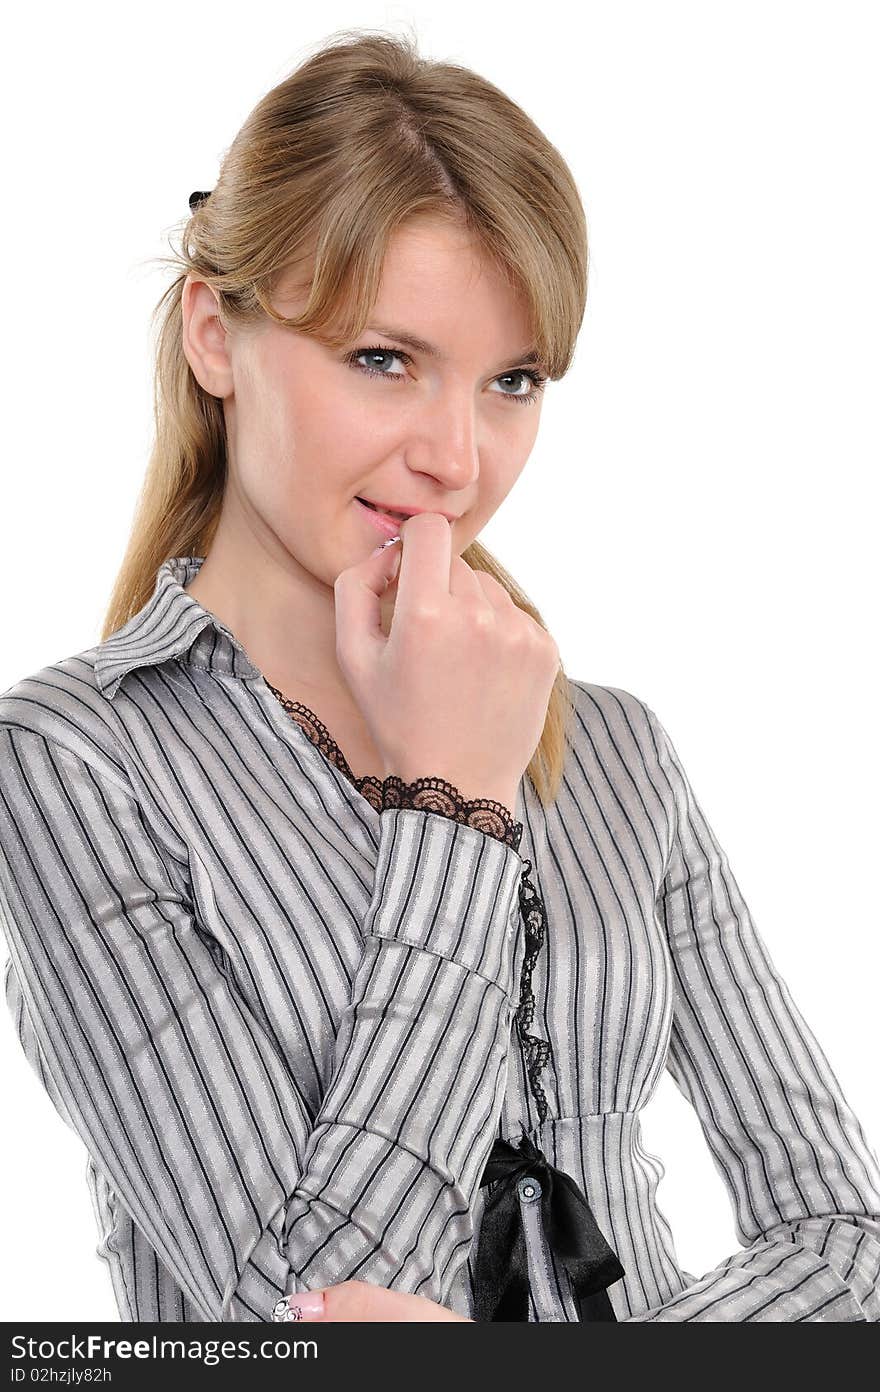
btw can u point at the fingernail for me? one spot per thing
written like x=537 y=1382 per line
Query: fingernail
x=303 y=1305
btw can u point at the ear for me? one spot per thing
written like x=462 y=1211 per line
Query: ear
x=205 y=342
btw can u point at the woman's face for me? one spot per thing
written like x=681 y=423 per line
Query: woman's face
x=310 y=430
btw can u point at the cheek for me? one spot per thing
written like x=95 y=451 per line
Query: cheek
x=492 y=494
x=506 y=480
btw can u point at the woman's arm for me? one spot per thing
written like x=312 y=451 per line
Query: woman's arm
x=803 y=1181
x=178 y=1092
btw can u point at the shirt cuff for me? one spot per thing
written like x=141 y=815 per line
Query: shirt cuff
x=448 y=888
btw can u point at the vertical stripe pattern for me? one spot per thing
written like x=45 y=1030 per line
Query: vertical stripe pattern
x=281 y=1021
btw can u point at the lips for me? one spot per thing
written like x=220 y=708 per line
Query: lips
x=394 y=516
x=385 y=526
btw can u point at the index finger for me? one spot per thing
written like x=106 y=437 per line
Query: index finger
x=426 y=559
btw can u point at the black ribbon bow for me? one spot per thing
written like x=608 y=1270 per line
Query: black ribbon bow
x=501 y=1274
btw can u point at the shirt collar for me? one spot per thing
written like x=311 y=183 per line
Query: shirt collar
x=172 y=624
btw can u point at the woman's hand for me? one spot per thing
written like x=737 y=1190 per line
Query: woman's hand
x=361 y=1302
x=459 y=688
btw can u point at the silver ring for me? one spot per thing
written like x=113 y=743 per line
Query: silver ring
x=283 y=1311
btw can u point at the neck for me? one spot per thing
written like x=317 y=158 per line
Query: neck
x=284 y=617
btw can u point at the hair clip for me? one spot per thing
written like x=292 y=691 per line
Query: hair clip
x=198 y=197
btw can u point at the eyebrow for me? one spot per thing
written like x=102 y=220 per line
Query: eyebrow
x=528 y=357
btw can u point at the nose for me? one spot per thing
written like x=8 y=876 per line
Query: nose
x=449 y=447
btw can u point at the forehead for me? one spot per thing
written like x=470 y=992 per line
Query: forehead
x=442 y=296
x=437 y=285
x=427 y=258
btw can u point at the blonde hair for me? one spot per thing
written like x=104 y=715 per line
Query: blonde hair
x=360 y=137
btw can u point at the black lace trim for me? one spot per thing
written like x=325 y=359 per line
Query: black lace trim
x=425 y=794
x=436 y=795
x=535 y=1051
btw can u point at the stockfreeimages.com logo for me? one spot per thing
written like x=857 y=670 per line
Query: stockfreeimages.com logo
x=94 y=1348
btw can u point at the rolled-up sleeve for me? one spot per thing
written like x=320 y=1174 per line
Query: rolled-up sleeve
x=180 y=1095
x=802 y=1177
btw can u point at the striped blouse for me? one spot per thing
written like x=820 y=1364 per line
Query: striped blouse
x=281 y=1019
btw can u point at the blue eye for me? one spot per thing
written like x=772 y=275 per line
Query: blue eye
x=538 y=379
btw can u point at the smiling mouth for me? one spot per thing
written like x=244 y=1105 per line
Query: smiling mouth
x=396 y=516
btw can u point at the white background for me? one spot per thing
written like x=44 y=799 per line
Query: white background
x=697 y=521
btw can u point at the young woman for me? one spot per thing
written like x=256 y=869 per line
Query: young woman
x=349 y=933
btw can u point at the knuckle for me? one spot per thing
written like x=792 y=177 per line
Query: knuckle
x=426 y=614
x=481 y=621
x=516 y=633
x=524 y=624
